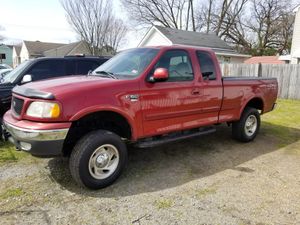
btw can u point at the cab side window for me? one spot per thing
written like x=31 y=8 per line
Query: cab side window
x=47 y=69
x=178 y=63
x=207 y=65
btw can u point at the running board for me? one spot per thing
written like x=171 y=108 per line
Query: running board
x=153 y=142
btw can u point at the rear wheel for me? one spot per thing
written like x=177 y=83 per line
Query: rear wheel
x=247 y=127
x=98 y=159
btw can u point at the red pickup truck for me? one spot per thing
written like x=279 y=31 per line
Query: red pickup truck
x=143 y=96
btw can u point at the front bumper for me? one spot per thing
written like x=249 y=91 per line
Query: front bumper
x=38 y=142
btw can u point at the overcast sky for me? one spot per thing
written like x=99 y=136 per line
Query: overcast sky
x=44 y=20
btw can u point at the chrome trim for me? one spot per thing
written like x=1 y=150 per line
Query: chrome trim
x=36 y=135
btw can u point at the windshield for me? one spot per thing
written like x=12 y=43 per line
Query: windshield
x=14 y=74
x=128 y=64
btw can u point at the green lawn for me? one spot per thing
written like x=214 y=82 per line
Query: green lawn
x=283 y=123
x=286 y=114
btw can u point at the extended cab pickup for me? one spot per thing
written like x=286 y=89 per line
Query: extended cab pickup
x=144 y=96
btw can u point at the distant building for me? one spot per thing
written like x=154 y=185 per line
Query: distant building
x=6 y=52
x=16 y=55
x=68 y=49
x=264 y=60
x=294 y=57
x=158 y=35
x=35 y=49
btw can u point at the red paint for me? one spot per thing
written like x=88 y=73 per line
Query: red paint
x=162 y=107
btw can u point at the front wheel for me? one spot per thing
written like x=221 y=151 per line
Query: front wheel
x=98 y=159
x=247 y=127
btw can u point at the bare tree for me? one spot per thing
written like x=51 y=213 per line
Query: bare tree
x=115 y=34
x=94 y=22
x=258 y=27
x=271 y=24
x=177 y=14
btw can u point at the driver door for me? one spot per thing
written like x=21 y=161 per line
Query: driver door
x=170 y=105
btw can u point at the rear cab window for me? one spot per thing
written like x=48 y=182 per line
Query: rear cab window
x=207 y=65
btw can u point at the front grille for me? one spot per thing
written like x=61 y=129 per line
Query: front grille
x=17 y=105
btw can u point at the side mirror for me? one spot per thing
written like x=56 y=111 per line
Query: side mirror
x=26 y=79
x=160 y=74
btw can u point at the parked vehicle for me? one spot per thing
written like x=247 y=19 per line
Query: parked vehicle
x=144 y=96
x=4 y=66
x=44 y=68
x=4 y=72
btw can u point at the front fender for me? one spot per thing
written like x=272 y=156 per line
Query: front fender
x=94 y=109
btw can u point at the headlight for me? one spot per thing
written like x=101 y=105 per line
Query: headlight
x=43 y=110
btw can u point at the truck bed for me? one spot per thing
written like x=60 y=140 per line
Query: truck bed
x=238 y=90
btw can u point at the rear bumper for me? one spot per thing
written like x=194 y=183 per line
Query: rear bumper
x=38 y=142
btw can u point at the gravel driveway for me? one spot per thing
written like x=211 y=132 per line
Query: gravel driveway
x=207 y=180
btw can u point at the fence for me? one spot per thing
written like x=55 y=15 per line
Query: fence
x=288 y=76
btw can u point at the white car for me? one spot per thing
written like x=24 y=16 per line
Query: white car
x=4 y=72
x=4 y=66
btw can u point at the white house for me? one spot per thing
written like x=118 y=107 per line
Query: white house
x=167 y=36
x=16 y=55
x=294 y=57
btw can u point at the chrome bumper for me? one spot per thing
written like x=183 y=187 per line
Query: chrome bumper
x=36 y=135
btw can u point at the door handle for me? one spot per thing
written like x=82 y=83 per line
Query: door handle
x=196 y=92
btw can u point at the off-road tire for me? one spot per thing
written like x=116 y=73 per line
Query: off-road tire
x=83 y=150
x=238 y=128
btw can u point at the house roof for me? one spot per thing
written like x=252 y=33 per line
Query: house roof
x=36 y=48
x=264 y=60
x=184 y=37
x=79 y=47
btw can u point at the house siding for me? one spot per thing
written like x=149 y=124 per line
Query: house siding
x=24 y=55
x=7 y=51
x=155 y=38
x=295 y=50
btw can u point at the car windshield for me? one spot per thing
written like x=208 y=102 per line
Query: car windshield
x=127 y=65
x=14 y=74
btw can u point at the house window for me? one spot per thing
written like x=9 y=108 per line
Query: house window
x=2 y=56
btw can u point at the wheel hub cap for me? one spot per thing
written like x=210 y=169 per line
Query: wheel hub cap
x=250 y=125
x=102 y=160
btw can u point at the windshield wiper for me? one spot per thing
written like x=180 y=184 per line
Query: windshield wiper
x=106 y=74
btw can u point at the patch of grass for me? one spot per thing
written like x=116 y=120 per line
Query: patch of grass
x=283 y=122
x=164 y=203
x=204 y=192
x=10 y=193
x=8 y=153
x=286 y=114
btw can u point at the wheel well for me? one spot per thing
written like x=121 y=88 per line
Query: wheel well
x=256 y=103
x=105 y=120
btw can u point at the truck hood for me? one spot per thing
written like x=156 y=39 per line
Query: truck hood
x=52 y=88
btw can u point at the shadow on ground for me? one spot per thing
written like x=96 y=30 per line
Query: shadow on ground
x=160 y=168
